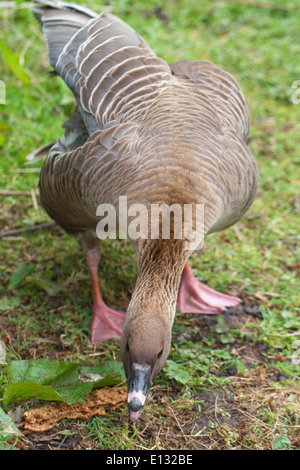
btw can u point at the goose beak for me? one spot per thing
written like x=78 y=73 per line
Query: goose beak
x=138 y=386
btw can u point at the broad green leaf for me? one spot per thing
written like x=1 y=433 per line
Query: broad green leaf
x=8 y=429
x=20 y=391
x=111 y=372
x=41 y=371
x=13 y=63
x=19 y=275
x=54 y=380
x=44 y=379
x=70 y=388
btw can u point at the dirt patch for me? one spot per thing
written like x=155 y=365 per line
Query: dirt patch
x=218 y=420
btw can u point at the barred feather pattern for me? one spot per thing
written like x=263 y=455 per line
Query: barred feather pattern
x=155 y=132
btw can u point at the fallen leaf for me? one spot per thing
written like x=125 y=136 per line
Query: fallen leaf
x=44 y=418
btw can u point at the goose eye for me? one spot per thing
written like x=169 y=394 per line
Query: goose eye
x=127 y=347
x=160 y=353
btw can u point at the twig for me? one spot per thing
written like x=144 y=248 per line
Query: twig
x=267 y=6
x=296 y=333
x=25 y=170
x=27 y=229
x=269 y=294
x=178 y=424
x=11 y=192
x=34 y=200
x=9 y=340
x=261 y=423
x=216 y=401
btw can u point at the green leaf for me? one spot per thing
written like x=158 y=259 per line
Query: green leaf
x=281 y=442
x=70 y=388
x=111 y=372
x=20 y=391
x=44 y=284
x=177 y=372
x=53 y=380
x=13 y=63
x=58 y=382
x=8 y=429
x=221 y=326
x=227 y=338
x=226 y=335
x=44 y=379
x=41 y=371
x=9 y=303
x=19 y=275
x=291 y=319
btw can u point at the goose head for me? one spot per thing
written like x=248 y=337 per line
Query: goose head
x=146 y=339
x=145 y=346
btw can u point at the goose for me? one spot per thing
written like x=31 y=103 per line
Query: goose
x=156 y=134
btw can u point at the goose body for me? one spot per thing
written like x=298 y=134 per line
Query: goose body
x=157 y=134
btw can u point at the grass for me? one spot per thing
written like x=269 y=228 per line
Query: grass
x=243 y=387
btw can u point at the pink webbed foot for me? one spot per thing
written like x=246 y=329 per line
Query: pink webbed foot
x=106 y=324
x=195 y=297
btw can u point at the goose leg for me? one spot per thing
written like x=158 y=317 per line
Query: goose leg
x=106 y=323
x=195 y=297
